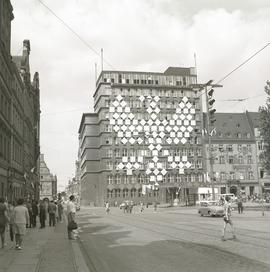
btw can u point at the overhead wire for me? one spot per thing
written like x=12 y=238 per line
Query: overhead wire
x=238 y=67
x=75 y=33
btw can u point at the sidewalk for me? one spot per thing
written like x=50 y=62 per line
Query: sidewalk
x=44 y=250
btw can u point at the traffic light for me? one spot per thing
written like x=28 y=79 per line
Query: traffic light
x=212 y=111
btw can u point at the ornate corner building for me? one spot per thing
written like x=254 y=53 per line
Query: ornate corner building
x=48 y=181
x=143 y=142
x=19 y=117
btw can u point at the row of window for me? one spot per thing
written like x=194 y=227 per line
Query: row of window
x=148 y=79
x=239 y=176
x=234 y=135
x=162 y=104
x=231 y=148
x=144 y=179
x=235 y=160
x=4 y=145
x=124 y=152
x=117 y=141
x=195 y=164
x=118 y=193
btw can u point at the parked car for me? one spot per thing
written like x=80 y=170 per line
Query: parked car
x=210 y=208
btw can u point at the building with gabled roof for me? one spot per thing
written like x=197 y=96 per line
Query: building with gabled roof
x=48 y=181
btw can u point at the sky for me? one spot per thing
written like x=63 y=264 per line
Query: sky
x=141 y=35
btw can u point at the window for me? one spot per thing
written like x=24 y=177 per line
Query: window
x=133 y=192
x=117 y=179
x=249 y=147
x=240 y=160
x=109 y=153
x=249 y=159
x=230 y=148
x=232 y=175
x=223 y=176
x=221 y=160
x=108 y=128
x=261 y=173
x=238 y=135
x=140 y=178
x=109 y=193
x=239 y=148
x=109 y=165
x=125 y=192
x=124 y=152
x=260 y=145
x=220 y=148
x=117 y=152
x=250 y=175
x=110 y=179
x=231 y=160
x=248 y=135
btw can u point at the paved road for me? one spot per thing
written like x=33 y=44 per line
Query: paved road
x=172 y=240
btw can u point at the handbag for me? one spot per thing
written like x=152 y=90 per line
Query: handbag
x=72 y=225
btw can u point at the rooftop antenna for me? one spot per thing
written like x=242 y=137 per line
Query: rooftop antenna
x=195 y=64
x=101 y=59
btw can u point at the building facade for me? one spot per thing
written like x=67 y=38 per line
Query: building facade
x=143 y=142
x=236 y=146
x=19 y=117
x=48 y=181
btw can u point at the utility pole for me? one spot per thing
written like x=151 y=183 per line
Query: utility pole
x=210 y=120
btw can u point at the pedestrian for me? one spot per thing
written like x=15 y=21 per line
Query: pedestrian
x=3 y=220
x=71 y=211
x=142 y=207
x=51 y=212
x=155 y=206
x=227 y=218
x=21 y=219
x=60 y=211
x=34 y=213
x=10 y=213
x=107 y=207
x=56 y=212
x=42 y=214
x=240 y=205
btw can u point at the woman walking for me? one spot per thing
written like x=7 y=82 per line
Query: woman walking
x=3 y=220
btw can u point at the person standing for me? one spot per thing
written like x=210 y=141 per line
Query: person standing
x=3 y=220
x=34 y=213
x=240 y=205
x=107 y=207
x=142 y=207
x=52 y=211
x=71 y=211
x=42 y=214
x=21 y=219
x=10 y=213
x=227 y=218
x=29 y=208
x=60 y=211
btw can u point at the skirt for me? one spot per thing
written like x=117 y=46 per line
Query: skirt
x=19 y=229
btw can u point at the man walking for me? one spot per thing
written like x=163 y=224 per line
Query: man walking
x=52 y=211
x=21 y=219
x=71 y=211
x=42 y=213
x=227 y=218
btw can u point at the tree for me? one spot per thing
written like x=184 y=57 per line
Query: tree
x=265 y=128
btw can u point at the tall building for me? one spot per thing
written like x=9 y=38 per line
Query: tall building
x=19 y=117
x=48 y=181
x=143 y=142
x=236 y=146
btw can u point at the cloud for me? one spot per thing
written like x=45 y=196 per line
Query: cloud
x=136 y=35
